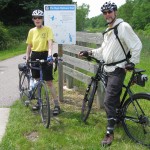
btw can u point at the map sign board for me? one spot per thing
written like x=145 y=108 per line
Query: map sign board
x=62 y=20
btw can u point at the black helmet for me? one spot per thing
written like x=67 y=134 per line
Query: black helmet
x=109 y=6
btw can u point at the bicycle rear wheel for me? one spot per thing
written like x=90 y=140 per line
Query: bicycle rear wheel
x=88 y=100
x=44 y=105
x=23 y=86
x=136 y=120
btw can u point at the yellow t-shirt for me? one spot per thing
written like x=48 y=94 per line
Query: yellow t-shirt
x=38 y=38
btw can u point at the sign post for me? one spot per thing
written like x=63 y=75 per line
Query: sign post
x=62 y=20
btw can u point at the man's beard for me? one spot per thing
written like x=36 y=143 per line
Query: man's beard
x=110 y=20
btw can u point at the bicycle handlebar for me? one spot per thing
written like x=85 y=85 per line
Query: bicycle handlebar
x=90 y=58
x=55 y=55
x=38 y=61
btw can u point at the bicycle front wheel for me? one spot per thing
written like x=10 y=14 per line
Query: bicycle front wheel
x=44 y=105
x=136 y=120
x=88 y=100
x=23 y=86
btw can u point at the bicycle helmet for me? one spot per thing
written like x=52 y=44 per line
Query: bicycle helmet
x=38 y=13
x=109 y=6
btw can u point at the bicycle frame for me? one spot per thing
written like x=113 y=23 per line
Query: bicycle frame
x=127 y=87
x=38 y=83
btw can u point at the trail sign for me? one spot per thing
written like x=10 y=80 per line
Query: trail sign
x=62 y=20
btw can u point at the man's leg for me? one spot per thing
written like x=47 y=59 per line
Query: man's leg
x=111 y=101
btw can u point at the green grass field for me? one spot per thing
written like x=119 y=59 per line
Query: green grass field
x=67 y=132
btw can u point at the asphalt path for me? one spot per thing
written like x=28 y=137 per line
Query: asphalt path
x=9 y=80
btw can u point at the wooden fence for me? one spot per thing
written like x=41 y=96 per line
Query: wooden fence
x=71 y=63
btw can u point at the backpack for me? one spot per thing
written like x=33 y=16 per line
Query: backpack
x=116 y=34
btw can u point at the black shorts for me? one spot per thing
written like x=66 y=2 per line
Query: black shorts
x=46 y=68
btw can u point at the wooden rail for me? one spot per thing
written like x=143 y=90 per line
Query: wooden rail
x=71 y=63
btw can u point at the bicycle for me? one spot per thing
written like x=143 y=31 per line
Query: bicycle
x=133 y=111
x=39 y=93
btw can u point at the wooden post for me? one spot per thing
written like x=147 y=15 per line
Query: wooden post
x=69 y=79
x=60 y=74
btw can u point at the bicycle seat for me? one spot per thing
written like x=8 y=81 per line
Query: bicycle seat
x=139 y=70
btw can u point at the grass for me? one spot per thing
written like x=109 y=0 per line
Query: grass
x=14 y=51
x=67 y=132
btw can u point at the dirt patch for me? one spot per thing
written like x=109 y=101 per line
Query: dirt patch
x=33 y=136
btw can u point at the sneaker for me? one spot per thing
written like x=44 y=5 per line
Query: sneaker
x=56 y=110
x=107 y=140
x=36 y=107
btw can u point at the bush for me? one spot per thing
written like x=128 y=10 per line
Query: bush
x=11 y=36
x=19 y=32
x=4 y=37
x=147 y=29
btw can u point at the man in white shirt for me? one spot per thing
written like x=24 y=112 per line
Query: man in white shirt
x=114 y=53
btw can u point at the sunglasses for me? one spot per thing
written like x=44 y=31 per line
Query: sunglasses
x=37 y=18
x=109 y=12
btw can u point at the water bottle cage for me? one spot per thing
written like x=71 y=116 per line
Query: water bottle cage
x=140 y=79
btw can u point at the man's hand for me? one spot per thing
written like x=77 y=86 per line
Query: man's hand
x=129 y=66
x=84 y=53
x=50 y=59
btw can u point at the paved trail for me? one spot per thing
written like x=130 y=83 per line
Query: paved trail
x=9 y=80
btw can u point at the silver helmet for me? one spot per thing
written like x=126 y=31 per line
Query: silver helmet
x=109 y=6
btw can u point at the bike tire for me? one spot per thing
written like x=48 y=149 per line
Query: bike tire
x=136 y=120
x=88 y=100
x=23 y=86
x=44 y=105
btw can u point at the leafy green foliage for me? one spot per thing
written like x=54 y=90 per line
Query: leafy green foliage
x=141 y=14
x=81 y=15
x=16 y=12
x=11 y=36
x=19 y=32
x=4 y=36
x=95 y=22
x=127 y=7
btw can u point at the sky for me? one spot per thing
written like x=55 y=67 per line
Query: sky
x=95 y=5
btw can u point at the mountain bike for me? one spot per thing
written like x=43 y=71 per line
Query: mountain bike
x=39 y=93
x=134 y=109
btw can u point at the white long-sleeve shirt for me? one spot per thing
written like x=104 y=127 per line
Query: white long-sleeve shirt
x=111 y=50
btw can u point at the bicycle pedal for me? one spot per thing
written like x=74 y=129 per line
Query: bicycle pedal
x=27 y=102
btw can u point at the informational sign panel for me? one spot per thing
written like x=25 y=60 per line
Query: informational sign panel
x=62 y=20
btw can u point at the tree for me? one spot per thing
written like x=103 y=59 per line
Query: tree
x=126 y=11
x=141 y=14
x=136 y=12
x=15 y=12
x=81 y=15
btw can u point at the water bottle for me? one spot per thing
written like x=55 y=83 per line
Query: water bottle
x=31 y=84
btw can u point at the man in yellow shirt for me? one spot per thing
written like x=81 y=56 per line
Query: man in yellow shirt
x=40 y=40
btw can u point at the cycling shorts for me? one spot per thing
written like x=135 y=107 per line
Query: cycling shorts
x=47 y=69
